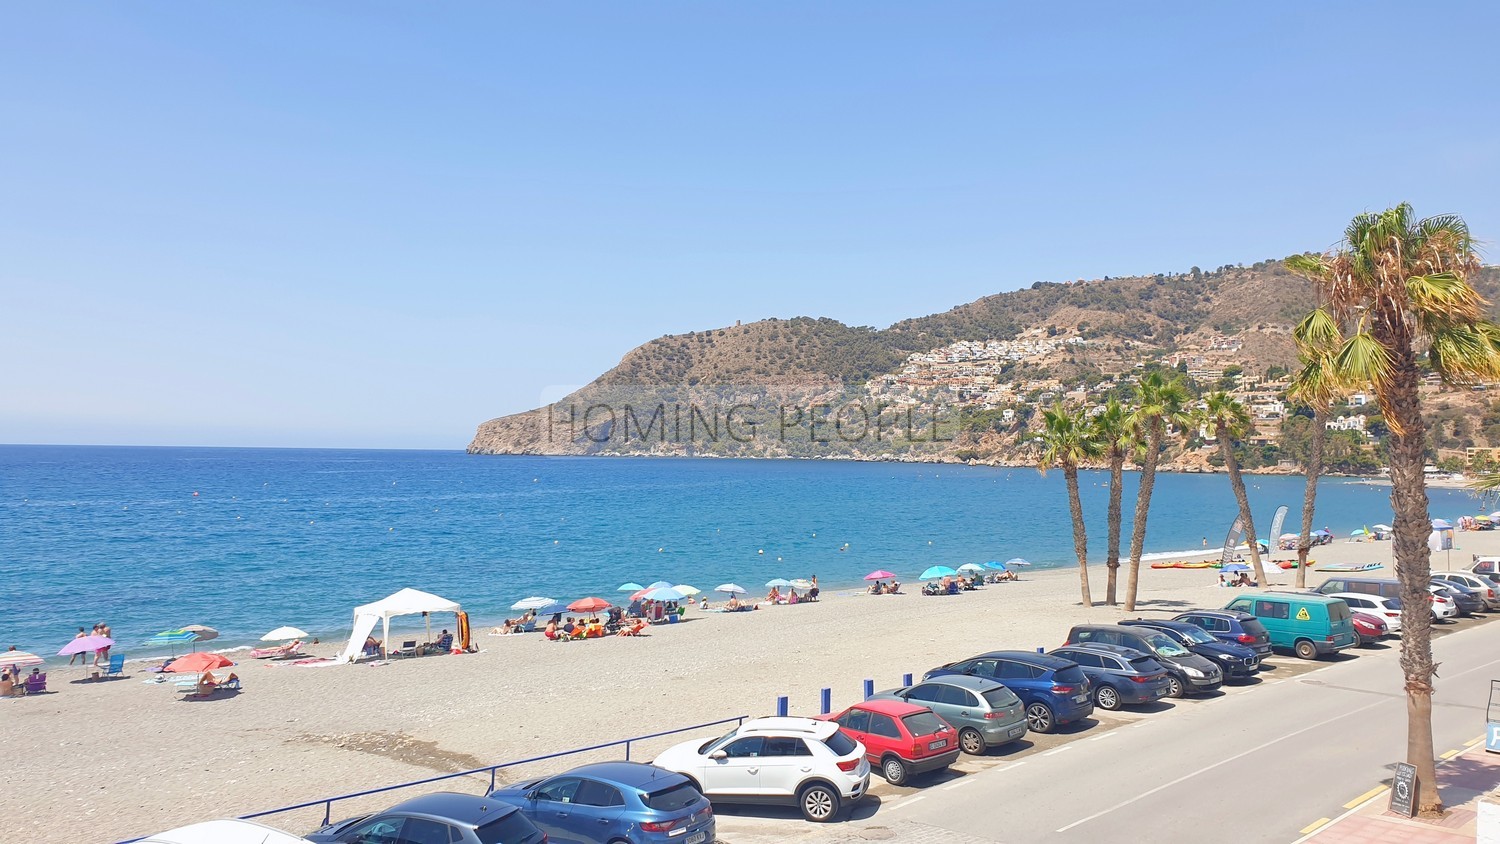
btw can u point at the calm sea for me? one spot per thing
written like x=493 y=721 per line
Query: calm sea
x=245 y=540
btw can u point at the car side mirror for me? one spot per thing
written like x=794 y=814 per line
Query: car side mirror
x=718 y=754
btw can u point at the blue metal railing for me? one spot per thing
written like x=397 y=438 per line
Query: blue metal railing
x=327 y=802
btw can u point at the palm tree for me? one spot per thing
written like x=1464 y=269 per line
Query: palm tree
x=1314 y=385
x=1160 y=402
x=1065 y=442
x=1397 y=295
x=1229 y=420
x=1112 y=432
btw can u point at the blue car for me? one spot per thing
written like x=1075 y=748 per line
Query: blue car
x=443 y=817
x=1232 y=626
x=1054 y=689
x=613 y=802
x=1240 y=662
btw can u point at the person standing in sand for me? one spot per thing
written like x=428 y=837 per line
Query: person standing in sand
x=80 y=635
x=101 y=656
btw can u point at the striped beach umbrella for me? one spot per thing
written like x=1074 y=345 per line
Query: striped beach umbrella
x=19 y=659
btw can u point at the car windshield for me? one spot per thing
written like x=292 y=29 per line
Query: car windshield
x=1001 y=698
x=840 y=744
x=672 y=799
x=922 y=723
x=1163 y=645
x=511 y=829
x=1195 y=635
x=717 y=743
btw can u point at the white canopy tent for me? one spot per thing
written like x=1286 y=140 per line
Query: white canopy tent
x=406 y=602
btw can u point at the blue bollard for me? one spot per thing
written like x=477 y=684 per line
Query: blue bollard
x=906 y=679
x=869 y=688
x=827 y=701
x=1041 y=650
x=781 y=706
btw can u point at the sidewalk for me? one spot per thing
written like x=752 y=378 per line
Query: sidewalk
x=1463 y=780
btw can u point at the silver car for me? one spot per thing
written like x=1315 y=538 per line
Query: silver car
x=985 y=713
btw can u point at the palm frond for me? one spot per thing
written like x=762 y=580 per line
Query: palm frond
x=1362 y=359
x=1318 y=330
x=1443 y=298
x=1466 y=352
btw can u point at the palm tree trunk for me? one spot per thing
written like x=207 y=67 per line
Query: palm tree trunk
x=1112 y=560
x=1237 y=483
x=1412 y=527
x=1310 y=493
x=1142 y=508
x=1080 y=537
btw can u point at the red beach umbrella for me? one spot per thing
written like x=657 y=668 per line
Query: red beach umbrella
x=197 y=663
x=588 y=605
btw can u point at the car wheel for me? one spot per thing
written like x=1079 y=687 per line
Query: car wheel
x=894 y=770
x=1175 y=688
x=819 y=803
x=1107 y=698
x=1039 y=718
x=971 y=741
x=1306 y=649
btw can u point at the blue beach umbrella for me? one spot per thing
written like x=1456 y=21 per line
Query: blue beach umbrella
x=660 y=584
x=1016 y=561
x=971 y=567
x=533 y=603
x=996 y=565
x=1235 y=568
x=630 y=587
x=778 y=583
x=937 y=571
x=663 y=593
x=172 y=638
x=730 y=589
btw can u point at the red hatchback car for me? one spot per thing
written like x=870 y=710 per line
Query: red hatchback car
x=901 y=739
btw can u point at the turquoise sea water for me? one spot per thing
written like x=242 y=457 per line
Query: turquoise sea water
x=249 y=539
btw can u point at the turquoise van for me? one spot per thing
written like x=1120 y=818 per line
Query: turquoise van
x=1308 y=624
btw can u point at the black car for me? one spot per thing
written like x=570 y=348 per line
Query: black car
x=1468 y=598
x=443 y=817
x=1189 y=673
x=1233 y=626
x=1238 y=661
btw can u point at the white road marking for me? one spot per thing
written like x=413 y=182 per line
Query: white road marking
x=1058 y=750
x=900 y=804
x=1102 y=737
x=960 y=784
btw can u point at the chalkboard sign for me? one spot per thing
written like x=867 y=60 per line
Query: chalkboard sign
x=1404 y=790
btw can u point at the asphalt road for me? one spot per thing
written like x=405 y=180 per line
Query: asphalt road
x=1256 y=765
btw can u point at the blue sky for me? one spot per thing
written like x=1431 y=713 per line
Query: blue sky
x=378 y=224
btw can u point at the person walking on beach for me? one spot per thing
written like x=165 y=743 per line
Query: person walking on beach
x=80 y=635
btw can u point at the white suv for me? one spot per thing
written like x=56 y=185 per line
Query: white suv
x=802 y=761
x=1385 y=609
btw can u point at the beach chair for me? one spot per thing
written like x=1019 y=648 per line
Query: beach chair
x=408 y=648
x=36 y=684
x=116 y=666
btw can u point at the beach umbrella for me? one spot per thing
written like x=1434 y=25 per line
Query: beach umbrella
x=1321 y=532
x=685 y=590
x=1494 y=515
x=1235 y=568
x=1441 y=524
x=87 y=644
x=197 y=663
x=730 y=589
x=879 y=574
x=535 y=602
x=171 y=639
x=660 y=584
x=996 y=565
x=588 y=605
x=1296 y=536
x=19 y=659
x=971 y=567
x=1359 y=532
x=626 y=587
x=1016 y=561
x=801 y=583
x=937 y=571
x=203 y=633
x=664 y=593
x=284 y=634
x=636 y=596
x=777 y=583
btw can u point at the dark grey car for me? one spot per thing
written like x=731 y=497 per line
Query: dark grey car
x=985 y=713
x=443 y=817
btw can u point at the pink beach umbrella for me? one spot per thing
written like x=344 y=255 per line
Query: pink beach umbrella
x=88 y=644
x=879 y=575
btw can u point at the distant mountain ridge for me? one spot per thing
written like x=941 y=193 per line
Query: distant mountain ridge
x=1116 y=322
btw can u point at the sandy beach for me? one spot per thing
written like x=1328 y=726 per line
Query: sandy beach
x=105 y=761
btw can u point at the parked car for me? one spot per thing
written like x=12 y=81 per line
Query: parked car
x=1487 y=589
x=901 y=739
x=1238 y=628
x=614 y=802
x=1235 y=660
x=985 y=713
x=1386 y=609
x=223 y=832
x=437 y=818
x=1487 y=568
x=1469 y=599
x=1309 y=625
x=1444 y=604
x=1388 y=587
x=1368 y=628
x=1187 y=673
x=1055 y=690
x=1120 y=676
x=800 y=761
